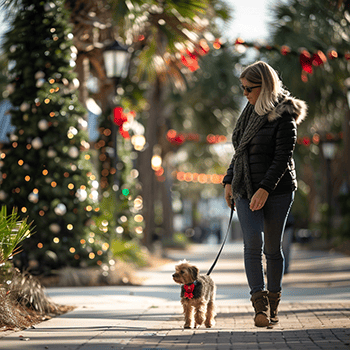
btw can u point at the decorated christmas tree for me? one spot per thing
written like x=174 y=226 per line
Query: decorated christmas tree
x=46 y=170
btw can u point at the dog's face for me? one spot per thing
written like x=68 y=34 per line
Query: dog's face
x=185 y=273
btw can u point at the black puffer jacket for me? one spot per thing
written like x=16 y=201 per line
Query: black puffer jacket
x=271 y=149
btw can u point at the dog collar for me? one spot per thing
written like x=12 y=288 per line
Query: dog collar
x=189 y=288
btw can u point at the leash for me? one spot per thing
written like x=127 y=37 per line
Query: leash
x=224 y=241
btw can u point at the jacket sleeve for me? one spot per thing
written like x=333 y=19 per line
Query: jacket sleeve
x=286 y=136
x=229 y=174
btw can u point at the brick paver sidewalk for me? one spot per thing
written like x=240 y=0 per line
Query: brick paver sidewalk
x=314 y=312
x=302 y=326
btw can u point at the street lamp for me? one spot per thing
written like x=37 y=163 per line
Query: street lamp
x=116 y=61
x=116 y=58
x=329 y=149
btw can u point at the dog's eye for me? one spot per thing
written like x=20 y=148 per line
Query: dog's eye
x=182 y=272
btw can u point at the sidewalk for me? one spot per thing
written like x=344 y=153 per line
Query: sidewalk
x=314 y=312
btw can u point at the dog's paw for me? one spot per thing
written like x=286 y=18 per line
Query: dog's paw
x=210 y=324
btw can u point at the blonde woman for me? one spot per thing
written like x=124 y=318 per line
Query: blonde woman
x=261 y=180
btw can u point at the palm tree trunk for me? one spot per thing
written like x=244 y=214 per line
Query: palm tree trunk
x=147 y=176
x=168 y=216
x=346 y=138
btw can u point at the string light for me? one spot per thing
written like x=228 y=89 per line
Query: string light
x=195 y=177
x=177 y=138
x=306 y=59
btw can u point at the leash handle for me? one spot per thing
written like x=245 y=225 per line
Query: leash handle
x=224 y=241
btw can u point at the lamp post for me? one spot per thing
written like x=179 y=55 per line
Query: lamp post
x=116 y=60
x=346 y=133
x=328 y=149
x=347 y=85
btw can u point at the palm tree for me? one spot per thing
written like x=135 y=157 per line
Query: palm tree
x=317 y=27
x=164 y=35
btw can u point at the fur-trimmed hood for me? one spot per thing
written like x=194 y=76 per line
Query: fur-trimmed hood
x=290 y=105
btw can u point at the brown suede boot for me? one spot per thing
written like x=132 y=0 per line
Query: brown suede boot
x=274 y=300
x=260 y=303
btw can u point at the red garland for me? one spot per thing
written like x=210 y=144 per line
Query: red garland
x=189 y=290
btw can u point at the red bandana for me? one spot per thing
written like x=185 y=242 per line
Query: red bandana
x=189 y=289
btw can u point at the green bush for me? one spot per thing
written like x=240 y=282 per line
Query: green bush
x=129 y=251
x=179 y=241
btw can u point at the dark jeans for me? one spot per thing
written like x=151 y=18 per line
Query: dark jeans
x=262 y=233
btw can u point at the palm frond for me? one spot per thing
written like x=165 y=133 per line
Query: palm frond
x=13 y=230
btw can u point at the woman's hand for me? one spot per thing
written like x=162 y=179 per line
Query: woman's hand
x=228 y=195
x=259 y=199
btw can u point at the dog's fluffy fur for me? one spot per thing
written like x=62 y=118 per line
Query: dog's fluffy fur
x=201 y=307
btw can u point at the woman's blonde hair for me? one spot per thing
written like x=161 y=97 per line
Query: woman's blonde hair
x=260 y=73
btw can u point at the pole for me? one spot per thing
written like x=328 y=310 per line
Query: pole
x=329 y=200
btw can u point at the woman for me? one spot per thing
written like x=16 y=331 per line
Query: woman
x=261 y=181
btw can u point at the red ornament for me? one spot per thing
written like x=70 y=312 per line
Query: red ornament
x=179 y=139
x=306 y=141
x=119 y=119
x=203 y=47
x=332 y=54
x=285 y=50
x=239 y=41
x=189 y=59
x=318 y=58
x=217 y=44
x=306 y=62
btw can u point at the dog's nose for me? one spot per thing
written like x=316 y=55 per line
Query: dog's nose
x=174 y=275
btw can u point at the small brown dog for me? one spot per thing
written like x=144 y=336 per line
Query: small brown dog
x=197 y=295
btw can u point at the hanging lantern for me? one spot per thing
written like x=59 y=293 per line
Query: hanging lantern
x=116 y=59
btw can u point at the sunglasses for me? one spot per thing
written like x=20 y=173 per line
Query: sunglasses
x=249 y=89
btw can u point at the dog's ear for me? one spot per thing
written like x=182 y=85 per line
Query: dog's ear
x=194 y=272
